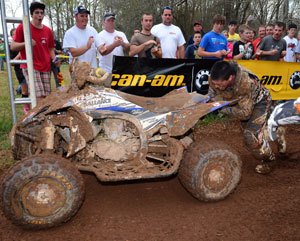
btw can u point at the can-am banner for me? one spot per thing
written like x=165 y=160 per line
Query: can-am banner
x=156 y=77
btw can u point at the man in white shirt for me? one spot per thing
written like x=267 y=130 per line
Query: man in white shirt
x=112 y=42
x=82 y=40
x=171 y=38
x=291 y=43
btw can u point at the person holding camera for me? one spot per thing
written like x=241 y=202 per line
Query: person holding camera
x=145 y=44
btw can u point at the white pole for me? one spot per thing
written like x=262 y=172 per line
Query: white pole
x=28 y=49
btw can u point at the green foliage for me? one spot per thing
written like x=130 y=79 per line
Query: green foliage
x=210 y=118
x=5 y=112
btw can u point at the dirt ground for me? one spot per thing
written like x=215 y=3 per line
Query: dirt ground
x=261 y=208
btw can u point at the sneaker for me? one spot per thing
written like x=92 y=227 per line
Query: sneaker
x=19 y=90
x=263 y=168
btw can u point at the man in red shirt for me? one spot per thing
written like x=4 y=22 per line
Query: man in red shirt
x=261 y=35
x=43 y=49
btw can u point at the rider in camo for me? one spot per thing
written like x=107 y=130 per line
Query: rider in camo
x=252 y=101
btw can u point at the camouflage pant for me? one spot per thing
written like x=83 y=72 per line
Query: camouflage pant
x=255 y=131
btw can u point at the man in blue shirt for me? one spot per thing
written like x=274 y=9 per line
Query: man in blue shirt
x=214 y=44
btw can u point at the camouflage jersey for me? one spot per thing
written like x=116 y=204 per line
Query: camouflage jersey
x=247 y=90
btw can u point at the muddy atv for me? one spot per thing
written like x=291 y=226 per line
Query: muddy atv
x=116 y=136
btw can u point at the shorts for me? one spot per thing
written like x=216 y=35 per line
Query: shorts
x=41 y=83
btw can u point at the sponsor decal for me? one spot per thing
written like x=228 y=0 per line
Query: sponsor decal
x=271 y=79
x=91 y=101
x=295 y=80
x=96 y=102
x=149 y=119
x=141 y=80
x=201 y=81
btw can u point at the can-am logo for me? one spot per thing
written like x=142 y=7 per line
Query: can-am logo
x=271 y=79
x=141 y=80
x=201 y=81
x=295 y=80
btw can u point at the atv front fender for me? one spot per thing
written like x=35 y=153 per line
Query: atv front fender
x=180 y=122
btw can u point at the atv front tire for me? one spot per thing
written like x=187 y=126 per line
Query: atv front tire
x=41 y=191
x=210 y=170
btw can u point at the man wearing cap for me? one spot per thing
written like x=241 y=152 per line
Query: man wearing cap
x=112 y=42
x=197 y=28
x=82 y=40
x=171 y=37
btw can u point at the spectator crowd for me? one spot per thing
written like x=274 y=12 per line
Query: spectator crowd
x=166 y=40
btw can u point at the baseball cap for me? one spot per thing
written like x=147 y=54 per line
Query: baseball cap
x=80 y=9
x=197 y=23
x=109 y=16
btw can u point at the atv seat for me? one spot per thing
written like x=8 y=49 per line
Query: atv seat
x=173 y=101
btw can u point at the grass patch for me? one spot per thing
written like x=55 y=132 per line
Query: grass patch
x=210 y=119
x=6 y=162
x=5 y=112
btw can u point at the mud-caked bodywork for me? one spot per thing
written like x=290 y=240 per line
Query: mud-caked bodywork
x=115 y=135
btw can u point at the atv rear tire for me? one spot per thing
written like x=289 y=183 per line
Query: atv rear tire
x=41 y=191
x=210 y=170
